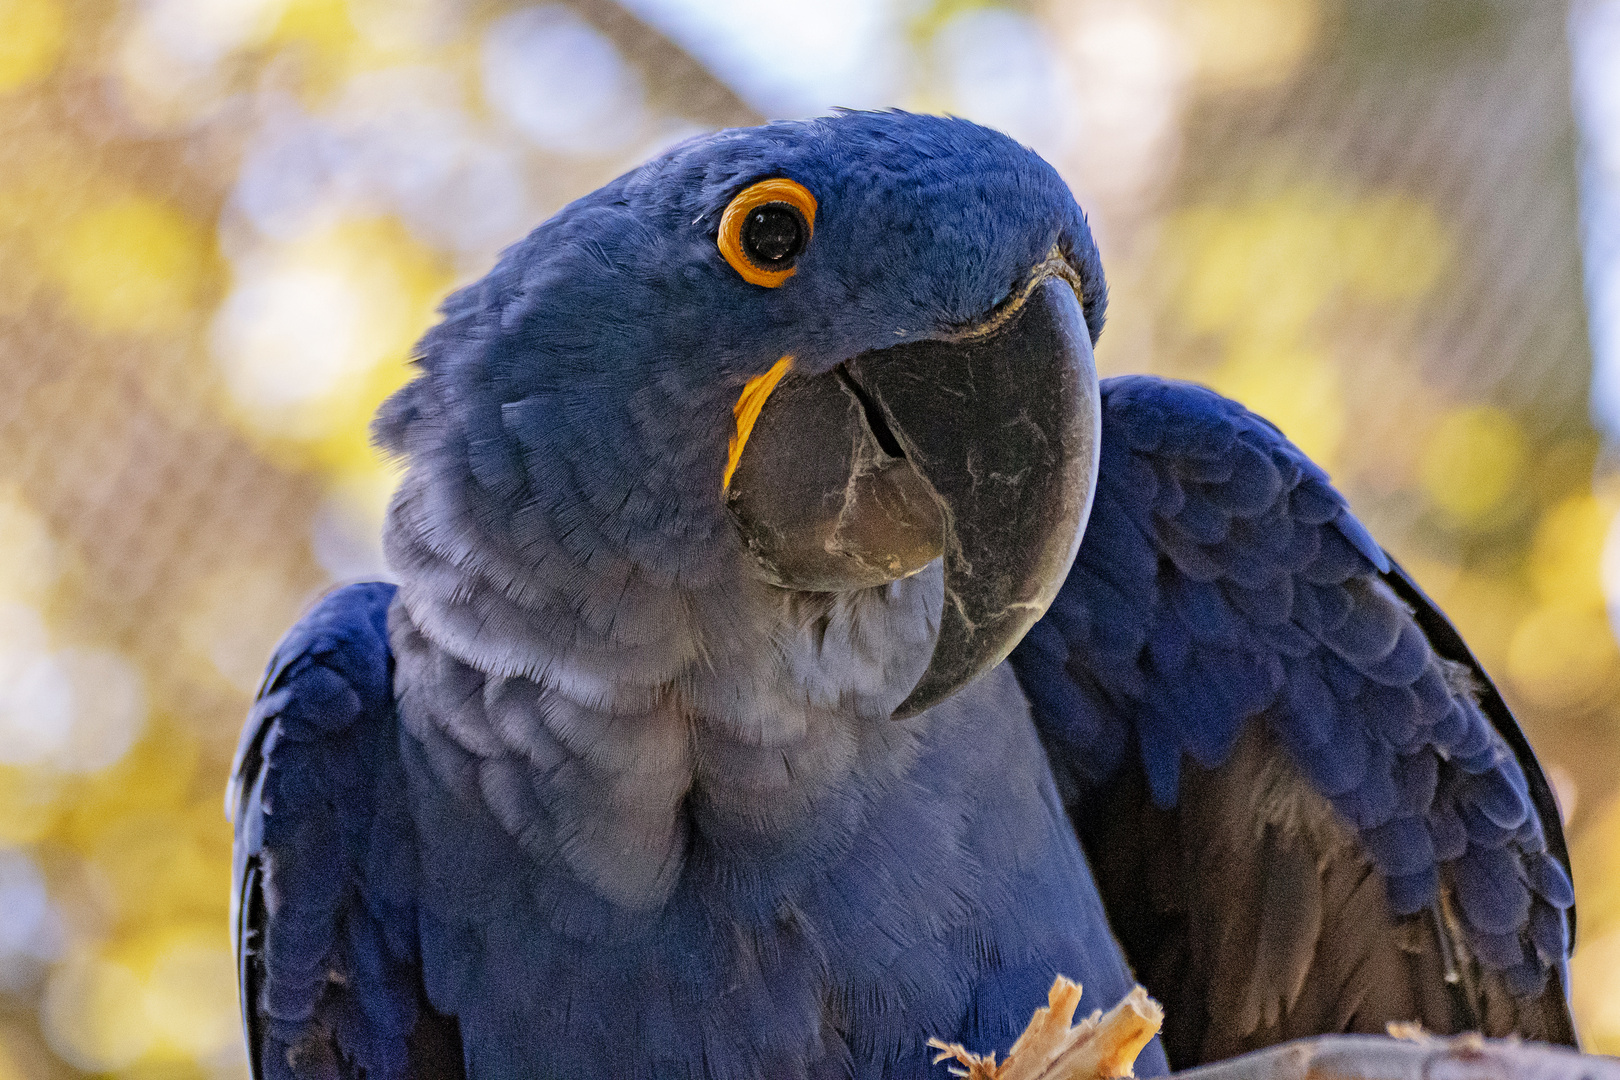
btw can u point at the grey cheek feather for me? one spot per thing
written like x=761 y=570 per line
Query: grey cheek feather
x=611 y=785
x=773 y=657
x=626 y=840
x=533 y=611
x=646 y=743
x=597 y=713
x=609 y=815
x=432 y=684
x=854 y=651
x=485 y=629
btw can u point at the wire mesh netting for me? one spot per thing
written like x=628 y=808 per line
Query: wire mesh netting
x=223 y=222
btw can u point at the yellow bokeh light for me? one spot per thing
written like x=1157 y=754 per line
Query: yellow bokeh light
x=10 y=1067
x=167 y=993
x=1564 y=659
x=33 y=34
x=325 y=29
x=158 y=866
x=94 y=1013
x=1595 y=975
x=28 y=559
x=1487 y=609
x=30 y=804
x=1392 y=247
x=1248 y=44
x=1299 y=391
x=1391 y=410
x=236 y=617
x=1268 y=268
x=1473 y=461
x=1595 y=968
x=1596 y=857
x=1566 y=556
x=316 y=333
x=131 y=264
x=158 y=773
x=35 y=202
x=191 y=993
x=324 y=23
x=1265 y=269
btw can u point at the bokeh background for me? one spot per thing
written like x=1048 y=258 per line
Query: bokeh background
x=1392 y=226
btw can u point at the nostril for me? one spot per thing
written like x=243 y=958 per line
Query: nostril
x=875 y=419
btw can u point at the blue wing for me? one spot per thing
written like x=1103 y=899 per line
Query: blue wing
x=1306 y=806
x=323 y=914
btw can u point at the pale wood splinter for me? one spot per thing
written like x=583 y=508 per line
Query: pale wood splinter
x=1052 y=1047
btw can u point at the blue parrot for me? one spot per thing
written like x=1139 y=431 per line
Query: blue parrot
x=749 y=705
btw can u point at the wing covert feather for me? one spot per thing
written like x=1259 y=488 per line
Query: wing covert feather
x=1305 y=808
x=324 y=923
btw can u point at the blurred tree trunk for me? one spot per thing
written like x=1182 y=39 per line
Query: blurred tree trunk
x=677 y=82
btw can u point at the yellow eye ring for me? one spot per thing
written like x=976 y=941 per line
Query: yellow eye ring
x=766 y=228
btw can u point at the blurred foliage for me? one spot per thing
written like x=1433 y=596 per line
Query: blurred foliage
x=223 y=222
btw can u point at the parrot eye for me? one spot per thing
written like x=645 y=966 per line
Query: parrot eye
x=773 y=235
x=766 y=228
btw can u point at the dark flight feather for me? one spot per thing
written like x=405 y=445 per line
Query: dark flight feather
x=1327 y=819
x=325 y=928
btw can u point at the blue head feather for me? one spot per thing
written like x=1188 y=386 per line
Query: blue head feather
x=594 y=370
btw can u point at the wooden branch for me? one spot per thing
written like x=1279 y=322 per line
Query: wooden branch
x=1104 y=1047
x=1409 y=1057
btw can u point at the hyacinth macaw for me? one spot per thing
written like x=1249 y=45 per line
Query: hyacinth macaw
x=684 y=746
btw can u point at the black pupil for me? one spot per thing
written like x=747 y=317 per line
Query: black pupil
x=773 y=234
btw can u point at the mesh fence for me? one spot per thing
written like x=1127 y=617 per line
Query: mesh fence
x=222 y=225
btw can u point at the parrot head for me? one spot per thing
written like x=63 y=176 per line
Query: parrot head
x=830 y=352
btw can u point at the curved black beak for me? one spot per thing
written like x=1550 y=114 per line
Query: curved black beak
x=981 y=448
x=1005 y=426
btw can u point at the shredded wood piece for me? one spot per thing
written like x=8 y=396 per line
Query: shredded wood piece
x=1052 y=1047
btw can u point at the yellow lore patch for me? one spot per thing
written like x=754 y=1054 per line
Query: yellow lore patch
x=749 y=403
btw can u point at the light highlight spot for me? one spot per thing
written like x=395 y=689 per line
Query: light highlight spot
x=315 y=333
x=30 y=932
x=28 y=558
x=94 y=1014
x=76 y=710
x=1002 y=71
x=169 y=62
x=561 y=82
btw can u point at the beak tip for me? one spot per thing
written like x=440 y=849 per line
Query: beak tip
x=1009 y=546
